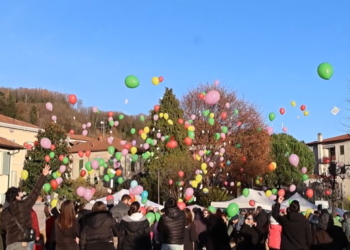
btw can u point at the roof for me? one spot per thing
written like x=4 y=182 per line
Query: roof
x=12 y=121
x=7 y=144
x=99 y=145
x=338 y=138
x=79 y=137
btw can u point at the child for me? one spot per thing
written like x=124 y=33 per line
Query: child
x=274 y=239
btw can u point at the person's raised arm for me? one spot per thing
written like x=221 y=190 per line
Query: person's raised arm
x=276 y=208
x=35 y=192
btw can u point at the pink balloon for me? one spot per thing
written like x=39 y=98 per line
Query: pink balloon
x=94 y=109
x=94 y=164
x=232 y=184
x=146 y=146
x=54 y=118
x=198 y=171
x=49 y=106
x=45 y=143
x=304 y=170
x=84 y=126
x=227 y=105
x=59 y=180
x=189 y=191
x=292 y=188
x=222 y=150
x=272 y=197
x=122 y=142
x=131 y=191
x=116 y=123
x=221 y=158
x=162 y=138
x=222 y=135
x=125 y=152
x=193 y=117
x=212 y=97
x=225 y=183
x=216 y=82
x=284 y=129
x=154 y=142
x=110 y=119
x=88 y=124
x=201 y=152
x=269 y=130
x=155 y=117
x=88 y=195
x=294 y=160
x=138 y=190
x=159 y=135
x=211 y=164
x=80 y=191
x=110 y=140
x=85 y=132
x=63 y=168
x=133 y=142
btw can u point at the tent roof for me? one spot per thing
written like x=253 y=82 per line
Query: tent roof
x=304 y=204
x=259 y=197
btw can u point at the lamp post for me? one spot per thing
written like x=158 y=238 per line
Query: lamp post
x=336 y=170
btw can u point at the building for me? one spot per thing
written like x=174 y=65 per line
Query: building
x=12 y=154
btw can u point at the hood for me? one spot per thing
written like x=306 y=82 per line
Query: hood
x=295 y=217
x=173 y=213
x=325 y=221
x=96 y=219
x=135 y=222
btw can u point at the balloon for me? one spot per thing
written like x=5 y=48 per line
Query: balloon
x=88 y=124
x=212 y=97
x=281 y=192
x=216 y=82
x=138 y=190
x=54 y=184
x=232 y=209
x=82 y=173
x=309 y=193
x=171 y=144
x=72 y=99
x=156 y=108
x=293 y=103
x=304 y=177
x=161 y=79
x=306 y=113
x=292 y=188
x=88 y=194
x=252 y=203
x=294 y=160
x=45 y=143
x=282 y=111
x=87 y=153
x=155 y=81
x=132 y=82
x=171 y=182
x=54 y=203
x=85 y=132
x=151 y=217
x=325 y=71
x=181 y=174
x=49 y=106
x=133 y=184
x=227 y=105
x=284 y=129
x=269 y=130
x=304 y=170
x=246 y=192
x=47 y=158
x=212 y=209
x=302 y=107
x=268 y=193
x=308 y=212
x=24 y=174
x=94 y=164
x=144 y=194
x=59 y=180
x=181 y=205
x=272 y=116
x=271 y=167
x=189 y=192
x=63 y=168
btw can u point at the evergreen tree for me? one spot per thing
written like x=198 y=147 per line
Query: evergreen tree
x=282 y=146
x=33 y=114
x=35 y=159
x=11 y=109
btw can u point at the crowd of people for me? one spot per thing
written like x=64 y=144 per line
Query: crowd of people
x=28 y=223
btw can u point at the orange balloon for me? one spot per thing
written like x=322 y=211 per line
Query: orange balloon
x=271 y=167
x=118 y=172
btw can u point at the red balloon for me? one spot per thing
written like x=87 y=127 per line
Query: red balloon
x=36 y=143
x=87 y=153
x=156 y=108
x=180 y=121
x=181 y=174
x=127 y=146
x=223 y=115
x=143 y=210
x=109 y=197
x=282 y=111
x=182 y=183
x=281 y=192
x=61 y=157
x=110 y=114
x=29 y=147
x=187 y=125
x=188 y=197
x=25 y=144
x=244 y=158
x=132 y=197
x=141 y=132
x=72 y=99
x=188 y=141
x=181 y=205
x=47 y=158
x=54 y=184
x=171 y=182
x=302 y=107
x=161 y=79
x=81 y=154
x=241 y=170
x=328 y=192
x=309 y=193
x=82 y=173
x=201 y=96
x=252 y=203
x=53 y=147
x=239 y=124
x=171 y=144
x=71 y=132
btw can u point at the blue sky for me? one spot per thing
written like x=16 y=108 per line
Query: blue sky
x=266 y=50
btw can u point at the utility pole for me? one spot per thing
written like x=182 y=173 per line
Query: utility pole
x=158 y=188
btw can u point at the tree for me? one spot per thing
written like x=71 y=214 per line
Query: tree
x=33 y=114
x=282 y=146
x=35 y=159
x=230 y=133
x=11 y=109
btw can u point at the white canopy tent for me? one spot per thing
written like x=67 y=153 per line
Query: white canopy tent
x=259 y=197
x=304 y=204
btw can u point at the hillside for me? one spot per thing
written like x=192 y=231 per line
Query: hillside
x=30 y=105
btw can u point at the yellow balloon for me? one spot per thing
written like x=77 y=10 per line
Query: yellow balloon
x=199 y=178
x=155 y=80
x=170 y=122
x=293 y=103
x=238 y=184
x=205 y=190
x=146 y=130
x=204 y=166
x=308 y=212
x=194 y=184
x=58 y=173
x=54 y=203
x=91 y=172
x=198 y=158
x=133 y=150
x=211 y=115
x=268 y=193
x=24 y=174
x=166 y=116
x=257 y=182
x=306 y=113
x=161 y=115
x=180 y=200
x=143 y=136
x=191 y=128
x=349 y=198
x=205 y=171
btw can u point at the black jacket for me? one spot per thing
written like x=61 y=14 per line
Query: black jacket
x=217 y=237
x=65 y=239
x=134 y=233
x=97 y=227
x=262 y=223
x=172 y=226
x=296 y=233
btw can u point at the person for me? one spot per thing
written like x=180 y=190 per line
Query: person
x=249 y=234
x=171 y=226
x=328 y=236
x=296 y=233
x=39 y=208
x=50 y=226
x=134 y=230
x=261 y=224
x=122 y=209
x=110 y=203
x=217 y=237
x=98 y=229
x=36 y=227
x=346 y=225
x=274 y=237
x=20 y=210
x=201 y=227
x=190 y=241
x=67 y=228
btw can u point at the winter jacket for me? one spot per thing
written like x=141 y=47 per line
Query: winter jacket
x=217 y=237
x=134 y=233
x=39 y=208
x=65 y=239
x=250 y=237
x=119 y=211
x=262 y=223
x=296 y=233
x=190 y=241
x=201 y=229
x=97 y=227
x=171 y=226
x=275 y=231
x=21 y=210
x=346 y=228
x=35 y=224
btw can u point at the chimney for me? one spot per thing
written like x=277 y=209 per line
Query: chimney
x=319 y=137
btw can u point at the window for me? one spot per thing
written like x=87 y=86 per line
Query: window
x=342 y=150
x=5 y=163
x=81 y=164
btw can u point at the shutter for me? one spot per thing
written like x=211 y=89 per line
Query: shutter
x=81 y=164
x=6 y=163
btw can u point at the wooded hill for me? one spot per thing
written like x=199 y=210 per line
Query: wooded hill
x=29 y=105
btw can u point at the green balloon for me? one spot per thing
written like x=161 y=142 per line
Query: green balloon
x=106 y=178
x=121 y=117
x=325 y=71
x=120 y=180
x=232 y=209
x=211 y=121
x=65 y=160
x=167 y=138
x=88 y=166
x=142 y=118
x=111 y=150
x=272 y=116
x=274 y=191
x=224 y=129
x=132 y=82
x=236 y=112
x=47 y=187
x=150 y=217
x=259 y=129
x=145 y=156
x=118 y=156
x=134 y=158
x=190 y=121
x=158 y=216
x=246 y=192
x=238 y=145
x=191 y=134
x=206 y=112
x=111 y=123
x=149 y=141
x=52 y=155
x=105 y=165
x=290 y=201
x=144 y=201
x=212 y=209
x=111 y=175
x=217 y=136
x=305 y=177
x=133 y=131
x=54 y=175
x=101 y=162
x=208 y=152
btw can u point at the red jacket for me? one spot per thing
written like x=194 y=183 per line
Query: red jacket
x=35 y=223
x=275 y=236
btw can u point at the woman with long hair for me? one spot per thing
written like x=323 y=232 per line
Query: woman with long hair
x=134 y=230
x=98 y=229
x=190 y=241
x=67 y=228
